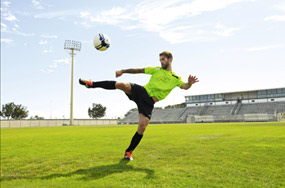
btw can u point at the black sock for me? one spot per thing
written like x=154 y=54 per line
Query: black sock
x=135 y=141
x=104 y=84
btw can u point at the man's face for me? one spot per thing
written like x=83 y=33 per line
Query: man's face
x=164 y=62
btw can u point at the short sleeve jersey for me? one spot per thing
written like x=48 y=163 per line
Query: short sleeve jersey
x=161 y=82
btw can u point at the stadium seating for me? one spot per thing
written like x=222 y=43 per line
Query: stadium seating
x=213 y=113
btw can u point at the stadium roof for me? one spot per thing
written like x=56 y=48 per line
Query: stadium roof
x=246 y=91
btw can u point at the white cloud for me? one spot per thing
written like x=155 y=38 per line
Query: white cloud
x=275 y=18
x=280 y=7
x=3 y=27
x=192 y=33
x=85 y=14
x=47 y=36
x=84 y=24
x=7 y=41
x=6 y=3
x=54 y=65
x=16 y=32
x=6 y=13
x=86 y=42
x=65 y=61
x=47 y=70
x=262 y=48
x=9 y=21
x=225 y=31
x=47 y=51
x=43 y=42
x=113 y=16
x=57 y=14
x=162 y=17
x=37 y=4
x=161 y=12
x=9 y=16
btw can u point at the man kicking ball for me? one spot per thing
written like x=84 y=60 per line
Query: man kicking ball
x=162 y=81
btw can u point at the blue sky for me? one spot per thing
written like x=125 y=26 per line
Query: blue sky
x=230 y=45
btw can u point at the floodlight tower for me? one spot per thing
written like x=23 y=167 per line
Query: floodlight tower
x=72 y=46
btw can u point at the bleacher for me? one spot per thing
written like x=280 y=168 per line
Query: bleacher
x=170 y=115
x=254 y=105
x=261 y=108
x=213 y=113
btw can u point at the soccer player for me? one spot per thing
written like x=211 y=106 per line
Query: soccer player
x=162 y=81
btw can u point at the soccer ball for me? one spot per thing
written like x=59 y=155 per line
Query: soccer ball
x=101 y=42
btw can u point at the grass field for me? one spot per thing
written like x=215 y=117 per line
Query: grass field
x=181 y=155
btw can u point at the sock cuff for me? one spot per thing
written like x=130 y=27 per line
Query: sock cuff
x=140 y=135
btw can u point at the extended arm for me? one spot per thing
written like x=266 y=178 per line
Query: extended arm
x=131 y=71
x=191 y=80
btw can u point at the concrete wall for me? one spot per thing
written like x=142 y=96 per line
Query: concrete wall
x=233 y=118
x=200 y=119
x=256 y=117
x=54 y=122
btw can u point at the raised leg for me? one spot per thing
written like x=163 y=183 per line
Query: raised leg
x=125 y=87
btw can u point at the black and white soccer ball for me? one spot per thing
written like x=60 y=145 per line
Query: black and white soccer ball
x=101 y=42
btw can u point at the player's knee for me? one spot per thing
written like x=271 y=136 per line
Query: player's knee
x=120 y=85
x=141 y=130
x=143 y=126
x=145 y=122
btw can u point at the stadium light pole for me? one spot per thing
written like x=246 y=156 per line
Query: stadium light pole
x=72 y=46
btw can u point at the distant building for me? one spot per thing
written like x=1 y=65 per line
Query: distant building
x=254 y=96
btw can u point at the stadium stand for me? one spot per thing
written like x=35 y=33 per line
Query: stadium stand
x=230 y=107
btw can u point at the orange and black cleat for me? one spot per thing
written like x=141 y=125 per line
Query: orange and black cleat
x=128 y=156
x=87 y=83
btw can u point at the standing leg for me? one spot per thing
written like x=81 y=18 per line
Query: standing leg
x=143 y=122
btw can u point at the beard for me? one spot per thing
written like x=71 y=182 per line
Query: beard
x=166 y=65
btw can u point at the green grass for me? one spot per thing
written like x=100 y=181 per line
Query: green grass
x=181 y=155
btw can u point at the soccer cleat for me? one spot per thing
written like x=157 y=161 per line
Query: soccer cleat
x=86 y=83
x=128 y=156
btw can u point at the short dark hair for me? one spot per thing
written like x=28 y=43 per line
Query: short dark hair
x=167 y=54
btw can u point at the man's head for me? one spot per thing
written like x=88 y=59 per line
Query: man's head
x=165 y=59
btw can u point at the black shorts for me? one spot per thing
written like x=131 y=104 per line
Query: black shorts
x=144 y=102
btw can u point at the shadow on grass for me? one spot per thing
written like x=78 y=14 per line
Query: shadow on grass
x=104 y=170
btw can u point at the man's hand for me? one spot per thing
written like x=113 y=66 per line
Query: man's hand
x=119 y=73
x=191 y=80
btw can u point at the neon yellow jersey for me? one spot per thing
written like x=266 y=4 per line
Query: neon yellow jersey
x=161 y=82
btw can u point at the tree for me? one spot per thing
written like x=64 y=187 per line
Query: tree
x=20 y=112
x=37 y=117
x=157 y=108
x=182 y=105
x=130 y=111
x=11 y=110
x=7 y=110
x=96 y=111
